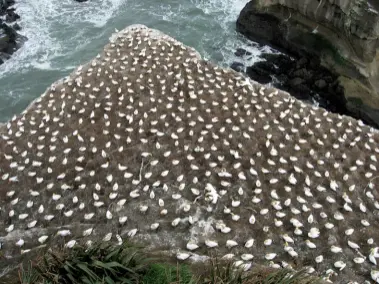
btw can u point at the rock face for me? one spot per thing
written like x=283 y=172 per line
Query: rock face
x=149 y=141
x=10 y=40
x=343 y=33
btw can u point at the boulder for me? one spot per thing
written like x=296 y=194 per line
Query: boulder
x=11 y=16
x=237 y=66
x=343 y=36
x=320 y=84
x=240 y=52
x=259 y=74
x=8 y=37
x=296 y=82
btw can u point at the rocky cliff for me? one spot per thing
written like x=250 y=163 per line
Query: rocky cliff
x=148 y=141
x=10 y=40
x=343 y=33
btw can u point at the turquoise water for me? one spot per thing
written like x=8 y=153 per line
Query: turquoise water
x=63 y=34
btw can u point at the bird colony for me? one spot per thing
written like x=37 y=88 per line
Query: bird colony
x=148 y=141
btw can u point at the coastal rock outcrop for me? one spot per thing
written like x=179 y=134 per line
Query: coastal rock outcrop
x=148 y=141
x=10 y=40
x=344 y=34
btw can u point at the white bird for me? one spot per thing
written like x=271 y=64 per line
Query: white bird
x=182 y=256
x=340 y=264
x=358 y=260
x=375 y=275
x=107 y=237
x=132 y=232
x=247 y=256
x=10 y=228
x=310 y=244
x=64 y=233
x=42 y=239
x=249 y=243
x=122 y=219
x=319 y=259
x=211 y=244
x=87 y=232
x=287 y=238
x=70 y=244
x=314 y=233
x=270 y=256
x=373 y=255
x=335 y=249
x=231 y=243
x=192 y=246
x=252 y=219
x=353 y=245
x=109 y=215
x=154 y=226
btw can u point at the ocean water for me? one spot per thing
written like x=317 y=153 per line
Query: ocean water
x=63 y=34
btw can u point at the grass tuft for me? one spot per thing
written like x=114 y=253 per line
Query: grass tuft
x=129 y=264
x=101 y=263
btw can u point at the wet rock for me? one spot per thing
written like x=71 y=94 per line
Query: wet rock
x=296 y=82
x=11 y=16
x=303 y=73
x=259 y=74
x=302 y=62
x=306 y=80
x=16 y=26
x=240 y=52
x=10 y=40
x=321 y=84
x=237 y=66
x=7 y=39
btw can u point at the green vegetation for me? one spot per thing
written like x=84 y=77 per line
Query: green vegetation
x=126 y=263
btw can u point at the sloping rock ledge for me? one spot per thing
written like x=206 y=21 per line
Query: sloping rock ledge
x=148 y=141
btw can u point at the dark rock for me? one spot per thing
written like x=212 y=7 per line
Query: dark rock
x=237 y=66
x=266 y=66
x=4 y=56
x=302 y=62
x=303 y=73
x=282 y=78
x=258 y=74
x=368 y=115
x=301 y=82
x=321 y=84
x=10 y=40
x=315 y=62
x=81 y=0
x=240 y=52
x=296 y=81
x=4 y=40
x=16 y=27
x=283 y=62
x=11 y=16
